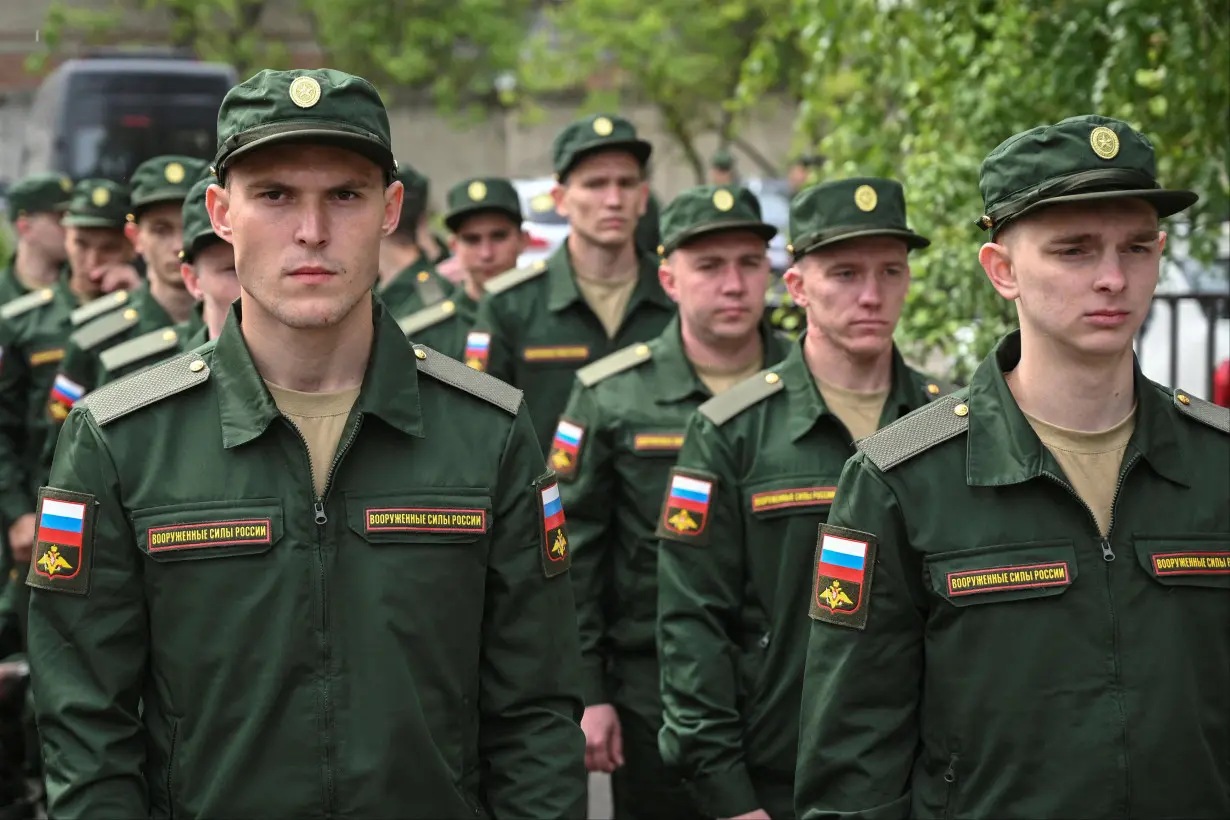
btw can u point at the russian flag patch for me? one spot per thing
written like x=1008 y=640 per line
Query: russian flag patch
x=565 y=456
x=63 y=540
x=685 y=511
x=64 y=394
x=478 y=346
x=845 y=563
x=556 y=556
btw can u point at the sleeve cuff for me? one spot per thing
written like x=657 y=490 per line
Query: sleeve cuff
x=595 y=687
x=727 y=794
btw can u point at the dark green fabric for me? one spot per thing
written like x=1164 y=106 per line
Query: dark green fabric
x=318 y=105
x=389 y=674
x=846 y=209
x=732 y=613
x=590 y=135
x=479 y=194
x=414 y=197
x=167 y=178
x=648 y=234
x=99 y=203
x=448 y=336
x=10 y=286
x=1015 y=703
x=416 y=286
x=39 y=193
x=645 y=788
x=705 y=209
x=198 y=230
x=543 y=330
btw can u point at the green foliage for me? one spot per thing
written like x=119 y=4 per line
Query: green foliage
x=922 y=90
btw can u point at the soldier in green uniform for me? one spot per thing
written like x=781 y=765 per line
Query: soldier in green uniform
x=36 y=206
x=754 y=479
x=208 y=267
x=484 y=216
x=400 y=583
x=722 y=168
x=408 y=278
x=1047 y=551
x=613 y=449
x=595 y=295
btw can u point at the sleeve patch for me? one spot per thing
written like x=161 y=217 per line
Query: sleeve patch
x=685 y=510
x=565 y=456
x=478 y=348
x=64 y=394
x=64 y=542
x=556 y=556
x=845 y=565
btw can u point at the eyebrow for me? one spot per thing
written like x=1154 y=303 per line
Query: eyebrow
x=345 y=185
x=1150 y=235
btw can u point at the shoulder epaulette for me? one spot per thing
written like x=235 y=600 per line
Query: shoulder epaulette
x=934 y=388
x=27 y=303
x=427 y=317
x=102 y=329
x=142 y=347
x=725 y=406
x=429 y=289
x=145 y=387
x=919 y=430
x=92 y=310
x=1202 y=411
x=617 y=362
x=516 y=276
x=450 y=371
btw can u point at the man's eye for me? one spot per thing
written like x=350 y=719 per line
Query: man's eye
x=347 y=196
x=272 y=196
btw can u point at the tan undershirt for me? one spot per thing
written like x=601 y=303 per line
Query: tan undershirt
x=719 y=379
x=608 y=298
x=858 y=410
x=321 y=418
x=1091 y=461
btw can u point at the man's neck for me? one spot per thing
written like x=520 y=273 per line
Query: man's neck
x=177 y=302
x=34 y=271
x=395 y=258
x=591 y=261
x=728 y=355
x=1087 y=394
x=214 y=318
x=473 y=289
x=313 y=360
x=832 y=365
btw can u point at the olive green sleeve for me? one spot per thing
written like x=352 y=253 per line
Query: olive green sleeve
x=81 y=368
x=88 y=648
x=588 y=499
x=15 y=500
x=500 y=355
x=530 y=742
x=700 y=589
x=859 y=721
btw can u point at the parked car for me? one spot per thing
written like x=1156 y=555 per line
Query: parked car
x=774 y=196
x=546 y=228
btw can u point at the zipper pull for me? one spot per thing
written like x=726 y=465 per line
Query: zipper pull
x=1108 y=554
x=950 y=776
x=319 y=509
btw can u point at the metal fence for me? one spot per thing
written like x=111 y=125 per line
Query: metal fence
x=1215 y=306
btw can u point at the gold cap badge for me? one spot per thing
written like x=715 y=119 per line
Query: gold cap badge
x=723 y=200
x=100 y=197
x=66 y=184
x=865 y=198
x=305 y=92
x=603 y=127
x=477 y=191
x=423 y=276
x=174 y=173
x=1105 y=142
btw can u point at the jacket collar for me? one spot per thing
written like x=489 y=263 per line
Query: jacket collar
x=562 y=288
x=390 y=383
x=675 y=377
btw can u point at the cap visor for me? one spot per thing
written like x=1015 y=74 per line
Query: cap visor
x=453 y=219
x=1167 y=203
x=638 y=148
x=159 y=198
x=91 y=222
x=762 y=229
x=371 y=148
x=912 y=240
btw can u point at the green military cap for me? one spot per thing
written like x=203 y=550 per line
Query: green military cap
x=38 y=194
x=722 y=160
x=315 y=106
x=417 y=190
x=473 y=196
x=98 y=203
x=1079 y=159
x=601 y=132
x=847 y=209
x=198 y=230
x=708 y=209
x=164 y=179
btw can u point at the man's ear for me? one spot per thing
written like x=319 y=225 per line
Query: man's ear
x=666 y=276
x=191 y=281
x=557 y=194
x=793 y=277
x=394 y=195
x=133 y=233
x=218 y=203
x=996 y=261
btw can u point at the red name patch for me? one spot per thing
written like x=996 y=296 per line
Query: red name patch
x=1192 y=563
x=209 y=534
x=999 y=579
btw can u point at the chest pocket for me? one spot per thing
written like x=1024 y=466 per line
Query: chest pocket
x=438 y=515
x=781 y=497
x=657 y=442
x=211 y=529
x=1005 y=572
x=1186 y=560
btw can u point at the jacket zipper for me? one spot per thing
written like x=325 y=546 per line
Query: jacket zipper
x=950 y=777
x=171 y=768
x=1108 y=555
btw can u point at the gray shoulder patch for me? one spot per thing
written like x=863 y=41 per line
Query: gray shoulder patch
x=429 y=289
x=25 y=304
x=92 y=310
x=617 y=362
x=143 y=347
x=722 y=408
x=100 y=330
x=427 y=317
x=450 y=371
x=145 y=387
x=516 y=276
x=1202 y=411
x=922 y=429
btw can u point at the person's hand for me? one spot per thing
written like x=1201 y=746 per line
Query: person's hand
x=759 y=814
x=604 y=743
x=451 y=269
x=116 y=276
x=21 y=538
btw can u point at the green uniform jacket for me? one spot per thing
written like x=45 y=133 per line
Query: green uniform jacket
x=10 y=286
x=146 y=349
x=733 y=579
x=1015 y=664
x=541 y=330
x=414 y=288
x=442 y=326
x=404 y=646
x=631 y=409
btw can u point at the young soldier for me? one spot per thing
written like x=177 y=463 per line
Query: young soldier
x=399 y=583
x=208 y=267
x=613 y=448
x=484 y=216
x=754 y=479
x=594 y=295
x=36 y=206
x=408 y=278
x=1038 y=565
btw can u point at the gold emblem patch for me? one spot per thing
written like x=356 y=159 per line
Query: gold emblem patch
x=845 y=564
x=723 y=200
x=477 y=191
x=174 y=173
x=100 y=197
x=1105 y=142
x=63 y=541
x=305 y=92
x=603 y=127
x=66 y=184
x=865 y=198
